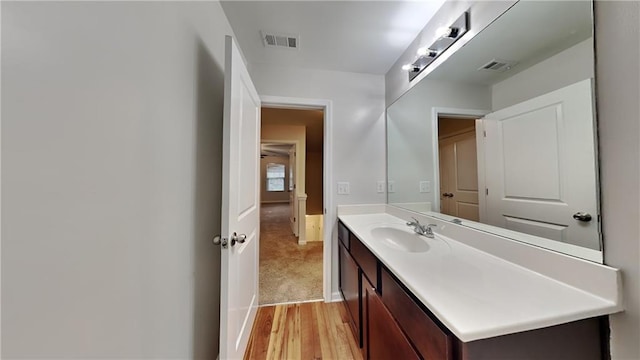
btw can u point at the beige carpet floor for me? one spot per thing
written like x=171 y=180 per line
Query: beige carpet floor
x=288 y=271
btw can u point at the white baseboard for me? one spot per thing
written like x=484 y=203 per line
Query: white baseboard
x=336 y=296
x=293 y=302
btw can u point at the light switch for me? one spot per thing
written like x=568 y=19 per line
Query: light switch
x=391 y=187
x=380 y=186
x=343 y=188
x=425 y=186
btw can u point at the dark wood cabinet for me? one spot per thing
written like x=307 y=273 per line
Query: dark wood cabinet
x=383 y=337
x=432 y=340
x=364 y=258
x=350 y=289
x=389 y=322
x=343 y=235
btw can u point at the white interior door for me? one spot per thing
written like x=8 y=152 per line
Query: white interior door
x=240 y=206
x=459 y=176
x=540 y=166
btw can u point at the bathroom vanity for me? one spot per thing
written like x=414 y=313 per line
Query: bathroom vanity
x=411 y=297
x=494 y=144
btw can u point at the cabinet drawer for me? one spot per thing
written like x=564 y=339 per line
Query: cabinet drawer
x=367 y=261
x=343 y=234
x=432 y=342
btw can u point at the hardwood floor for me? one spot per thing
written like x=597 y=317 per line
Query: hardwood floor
x=315 y=330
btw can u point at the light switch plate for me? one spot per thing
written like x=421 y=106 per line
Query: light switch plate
x=343 y=188
x=391 y=186
x=425 y=186
x=380 y=186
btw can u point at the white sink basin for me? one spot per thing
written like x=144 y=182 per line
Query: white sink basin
x=400 y=239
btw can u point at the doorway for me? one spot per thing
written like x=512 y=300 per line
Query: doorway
x=458 y=166
x=291 y=261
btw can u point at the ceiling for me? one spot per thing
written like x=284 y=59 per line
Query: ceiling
x=278 y=150
x=312 y=120
x=352 y=36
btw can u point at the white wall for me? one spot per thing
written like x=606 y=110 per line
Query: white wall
x=563 y=69
x=358 y=126
x=618 y=90
x=411 y=136
x=111 y=123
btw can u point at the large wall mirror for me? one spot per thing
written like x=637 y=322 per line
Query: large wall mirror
x=501 y=136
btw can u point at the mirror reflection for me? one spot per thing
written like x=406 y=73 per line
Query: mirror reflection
x=501 y=135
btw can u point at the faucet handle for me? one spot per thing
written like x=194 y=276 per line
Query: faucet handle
x=413 y=223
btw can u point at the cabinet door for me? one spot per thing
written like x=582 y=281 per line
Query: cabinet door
x=432 y=342
x=383 y=337
x=350 y=289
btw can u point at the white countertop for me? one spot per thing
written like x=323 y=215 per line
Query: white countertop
x=475 y=294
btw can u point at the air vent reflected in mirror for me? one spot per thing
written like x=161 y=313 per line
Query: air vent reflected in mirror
x=498 y=65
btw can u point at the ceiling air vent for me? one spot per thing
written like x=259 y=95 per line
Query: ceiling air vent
x=498 y=65
x=280 y=41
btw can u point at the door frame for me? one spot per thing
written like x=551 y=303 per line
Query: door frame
x=436 y=112
x=296 y=146
x=285 y=102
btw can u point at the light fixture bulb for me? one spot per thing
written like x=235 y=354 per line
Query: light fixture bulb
x=447 y=32
x=407 y=67
x=427 y=52
x=443 y=31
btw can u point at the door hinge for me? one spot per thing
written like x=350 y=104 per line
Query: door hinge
x=486 y=191
x=485 y=133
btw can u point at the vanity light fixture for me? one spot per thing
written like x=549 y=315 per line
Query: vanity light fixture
x=446 y=36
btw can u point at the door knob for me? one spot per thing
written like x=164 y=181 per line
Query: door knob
x=449 y=195
x=217 y=240
x=580 y=216
x=238 y=239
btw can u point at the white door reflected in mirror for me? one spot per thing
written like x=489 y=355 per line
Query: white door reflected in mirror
x=540 y=169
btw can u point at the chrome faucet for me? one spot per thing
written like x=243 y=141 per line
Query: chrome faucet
x=424 y=230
